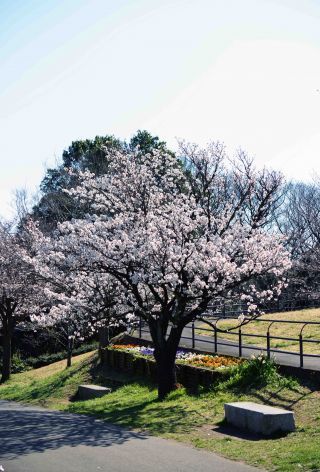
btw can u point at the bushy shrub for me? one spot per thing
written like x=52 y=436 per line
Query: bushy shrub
x=18 y=364
x=257 y=372
x=46 y=359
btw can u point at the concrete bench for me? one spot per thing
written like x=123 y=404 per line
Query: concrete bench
x=258 y=418
x=86 y=392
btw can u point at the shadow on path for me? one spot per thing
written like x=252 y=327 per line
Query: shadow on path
x=24 y=430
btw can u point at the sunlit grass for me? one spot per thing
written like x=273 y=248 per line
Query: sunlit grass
x=290 y=330
x=52 y=384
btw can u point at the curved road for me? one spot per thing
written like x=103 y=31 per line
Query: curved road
x=34 y=439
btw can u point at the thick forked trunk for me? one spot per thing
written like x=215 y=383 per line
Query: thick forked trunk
x=6 y=358
x=165 y=355
x=166 y=373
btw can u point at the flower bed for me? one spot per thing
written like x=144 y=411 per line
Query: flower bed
x=198 y=360
x=192 y=369
x=212 y=362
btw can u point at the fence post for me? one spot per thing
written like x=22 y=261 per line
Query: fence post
x=193 y=340
x=140 y=328
x=215 y=340
x=301 y=350
x=268 y=344
x=240 y=343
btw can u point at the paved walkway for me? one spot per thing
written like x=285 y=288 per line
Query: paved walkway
x=206 y=344
x=34 y=439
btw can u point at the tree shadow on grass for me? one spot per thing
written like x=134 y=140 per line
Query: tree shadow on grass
x=40 y=390
x=280 y=398
x=288 y=396
x=150 y=415
x=25 y=430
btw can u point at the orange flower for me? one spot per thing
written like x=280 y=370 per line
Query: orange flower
x=213 y=362
x=124 y=346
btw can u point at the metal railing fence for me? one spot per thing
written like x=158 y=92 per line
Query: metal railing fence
x=216 y=338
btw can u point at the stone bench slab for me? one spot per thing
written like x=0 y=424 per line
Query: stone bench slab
x=258 y=418
x=86 y=392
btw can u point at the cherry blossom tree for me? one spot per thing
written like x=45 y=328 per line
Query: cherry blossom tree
x=79 y=302
x=20 y=294
x=174 y=240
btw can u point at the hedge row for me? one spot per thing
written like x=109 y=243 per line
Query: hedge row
x=20 y=365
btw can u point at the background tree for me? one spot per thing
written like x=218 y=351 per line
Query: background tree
x=54 y=204
x=146 y=143
x=299 y=220
x=20 y=294
x=174 y=252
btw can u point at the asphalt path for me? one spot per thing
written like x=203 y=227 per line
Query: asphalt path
x=206 y=344
x=33 y=439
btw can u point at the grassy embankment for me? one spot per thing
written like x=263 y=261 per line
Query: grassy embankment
x=194 y=419
x=277 y=329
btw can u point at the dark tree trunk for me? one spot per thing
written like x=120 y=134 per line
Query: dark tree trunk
x=166 y=373
x=103 y=341
x=70 y=351
x=6 y=358
x=165 y=355
x=7 y=309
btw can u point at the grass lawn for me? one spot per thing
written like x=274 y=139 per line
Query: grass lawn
x=194 y=419
x=277 y=329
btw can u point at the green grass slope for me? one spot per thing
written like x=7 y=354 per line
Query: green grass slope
x=194 y=419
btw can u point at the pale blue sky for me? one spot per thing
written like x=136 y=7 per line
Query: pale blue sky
x=245 y=72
